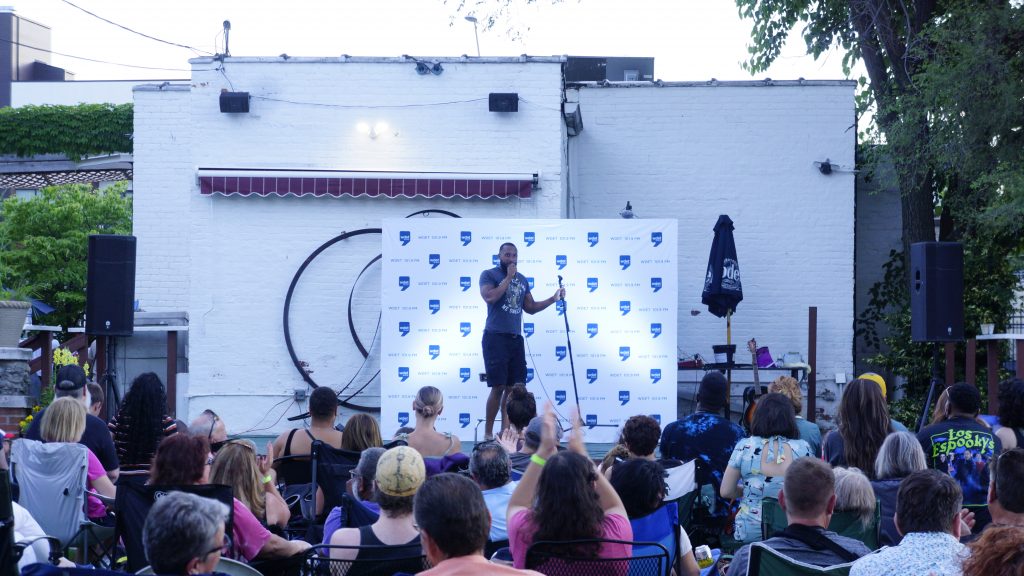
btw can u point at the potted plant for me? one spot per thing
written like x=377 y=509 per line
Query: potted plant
x=987 y=326
x=14 y=306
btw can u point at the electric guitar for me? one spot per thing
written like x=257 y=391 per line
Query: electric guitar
x=751 y=395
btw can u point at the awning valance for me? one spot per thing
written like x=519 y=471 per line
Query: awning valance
x=249 y=182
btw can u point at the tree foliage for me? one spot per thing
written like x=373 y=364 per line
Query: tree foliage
x=74 y=131
x=44 y=242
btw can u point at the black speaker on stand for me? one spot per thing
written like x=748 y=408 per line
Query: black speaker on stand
x=936 y=302
x=110 y=301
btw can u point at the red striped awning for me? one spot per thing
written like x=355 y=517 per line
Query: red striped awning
x=387 y=184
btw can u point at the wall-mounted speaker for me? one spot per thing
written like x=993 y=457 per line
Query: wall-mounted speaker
x=503 y=102
x=234 y=102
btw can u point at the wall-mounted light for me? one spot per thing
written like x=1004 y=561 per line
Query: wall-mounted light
x=827 y=167
x=375 y=130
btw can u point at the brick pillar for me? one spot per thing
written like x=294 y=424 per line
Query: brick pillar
x=14 y=380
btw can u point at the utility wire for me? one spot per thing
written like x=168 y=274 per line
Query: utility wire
x=92 y=59
x=94 y=15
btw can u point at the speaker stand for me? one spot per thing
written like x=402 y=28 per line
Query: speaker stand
x=108 y=381
x=936 y=381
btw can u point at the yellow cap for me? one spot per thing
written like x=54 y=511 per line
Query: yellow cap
x=874 y=378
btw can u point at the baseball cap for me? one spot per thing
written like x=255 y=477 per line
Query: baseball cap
x=400 y=471
x=71 y=377
x=876 y=378
x=533 y=432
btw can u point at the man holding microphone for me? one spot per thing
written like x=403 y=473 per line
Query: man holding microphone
x=507 y=294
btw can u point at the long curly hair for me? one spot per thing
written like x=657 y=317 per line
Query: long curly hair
x=141 y=417
x=863 y=420
x=567 y=505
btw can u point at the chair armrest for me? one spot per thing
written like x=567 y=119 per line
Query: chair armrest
x=55 y=547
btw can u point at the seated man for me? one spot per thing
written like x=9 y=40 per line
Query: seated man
x=400 y=472
x=184 y=534
x=808 y=497
x=1006 y=490
x=531 y=441
x=361 y=488
x=210 y=425
x=928 y=518
x=453 y=522
x=491 y=469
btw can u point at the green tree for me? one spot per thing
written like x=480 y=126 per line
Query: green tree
x=45 y=242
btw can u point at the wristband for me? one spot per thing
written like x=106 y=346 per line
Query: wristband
x=267 y=479
x=538 y=460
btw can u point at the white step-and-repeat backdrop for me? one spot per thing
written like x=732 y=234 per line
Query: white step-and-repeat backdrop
x=621 y=301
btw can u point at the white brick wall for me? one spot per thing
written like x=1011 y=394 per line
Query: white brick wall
x=228 y=261
x=694 y=152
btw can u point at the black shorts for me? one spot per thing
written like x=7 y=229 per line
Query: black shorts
x=504 y=359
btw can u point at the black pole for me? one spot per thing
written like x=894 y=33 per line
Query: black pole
x=568 y=348
x=935 y=382
x=112 y=403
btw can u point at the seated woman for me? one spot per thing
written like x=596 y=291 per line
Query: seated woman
x=236 y=465
x=140 y=424
x=400 y=472
x=640 y=483
x=64 y=421
x=1011 y=413
x=323 y=410
x=900 y=456
x=361 y=432
x=854 y=494
x=562 y=497
x=761 y=460
x=181 y=461
x=862 y=423
x=430 y=443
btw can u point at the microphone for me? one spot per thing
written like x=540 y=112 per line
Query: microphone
x=559 y=280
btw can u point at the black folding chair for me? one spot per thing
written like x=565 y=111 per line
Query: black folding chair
x=570 y=558
x=370 y=561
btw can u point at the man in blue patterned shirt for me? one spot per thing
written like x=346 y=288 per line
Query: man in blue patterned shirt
x=705 y=435
x=928 y=517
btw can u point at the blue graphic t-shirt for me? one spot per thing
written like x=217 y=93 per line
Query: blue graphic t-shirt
x=962 y=448
x=705 y=436
x=505 y=316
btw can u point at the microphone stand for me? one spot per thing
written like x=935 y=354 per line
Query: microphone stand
x=568 y=348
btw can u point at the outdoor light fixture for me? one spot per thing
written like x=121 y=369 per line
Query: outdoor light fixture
x=424 y=68
x=627 y=212
x=475 y=34
x=372 y=131
x=824 y=167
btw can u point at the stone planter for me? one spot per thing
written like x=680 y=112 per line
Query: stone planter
x=12 y=320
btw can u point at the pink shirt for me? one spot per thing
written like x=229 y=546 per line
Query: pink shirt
x=95 y=507
x=249 y=535
x=521 y=529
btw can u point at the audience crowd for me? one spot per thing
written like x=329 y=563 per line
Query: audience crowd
x=869 y=494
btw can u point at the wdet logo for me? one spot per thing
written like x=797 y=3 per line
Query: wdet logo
x=559 y=397
x=494 y=259
x=403 y=418
x=560 y=307
x=657 y=417
x=591 y=375
x=465 y=237
x=592 y=329
x=403 y=283
x=655 y=284
x=656 y=238
x=465 y=328
x=560 y=353
x=655 y=375
x=529 y=238
x=403 y=373
x=624 y=353
x=465 y=282
x=403 y=328
x=624 y=261
x=528 y=329
x=591 y=421
x=561 y=260
x=435 y=260
x=529 y=282
x=464 y=419
x=592 y=284
x=623 y=397
x=624 y=307
x=529 y=375
x=465 y=374
x=592 y=238
x=434 y=306
x=434 y=350
x=655 y=329
x=404 y=237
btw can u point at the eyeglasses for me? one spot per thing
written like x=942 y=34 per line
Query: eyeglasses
x=213 y=423
x=225 y=545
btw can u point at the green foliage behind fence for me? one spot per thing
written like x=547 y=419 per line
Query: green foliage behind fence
x=75 y=131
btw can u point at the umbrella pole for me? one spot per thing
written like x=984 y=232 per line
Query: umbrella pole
x=728 y=369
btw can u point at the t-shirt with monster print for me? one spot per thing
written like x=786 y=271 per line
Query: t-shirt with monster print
x=506 y=314
x=708 y=437
x=962 y=448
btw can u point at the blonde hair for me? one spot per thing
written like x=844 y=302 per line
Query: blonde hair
x=63 y=421
x=854 y=494
x=235 y=466
x=790 y=388
x=428 y=402
x=361 y=432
